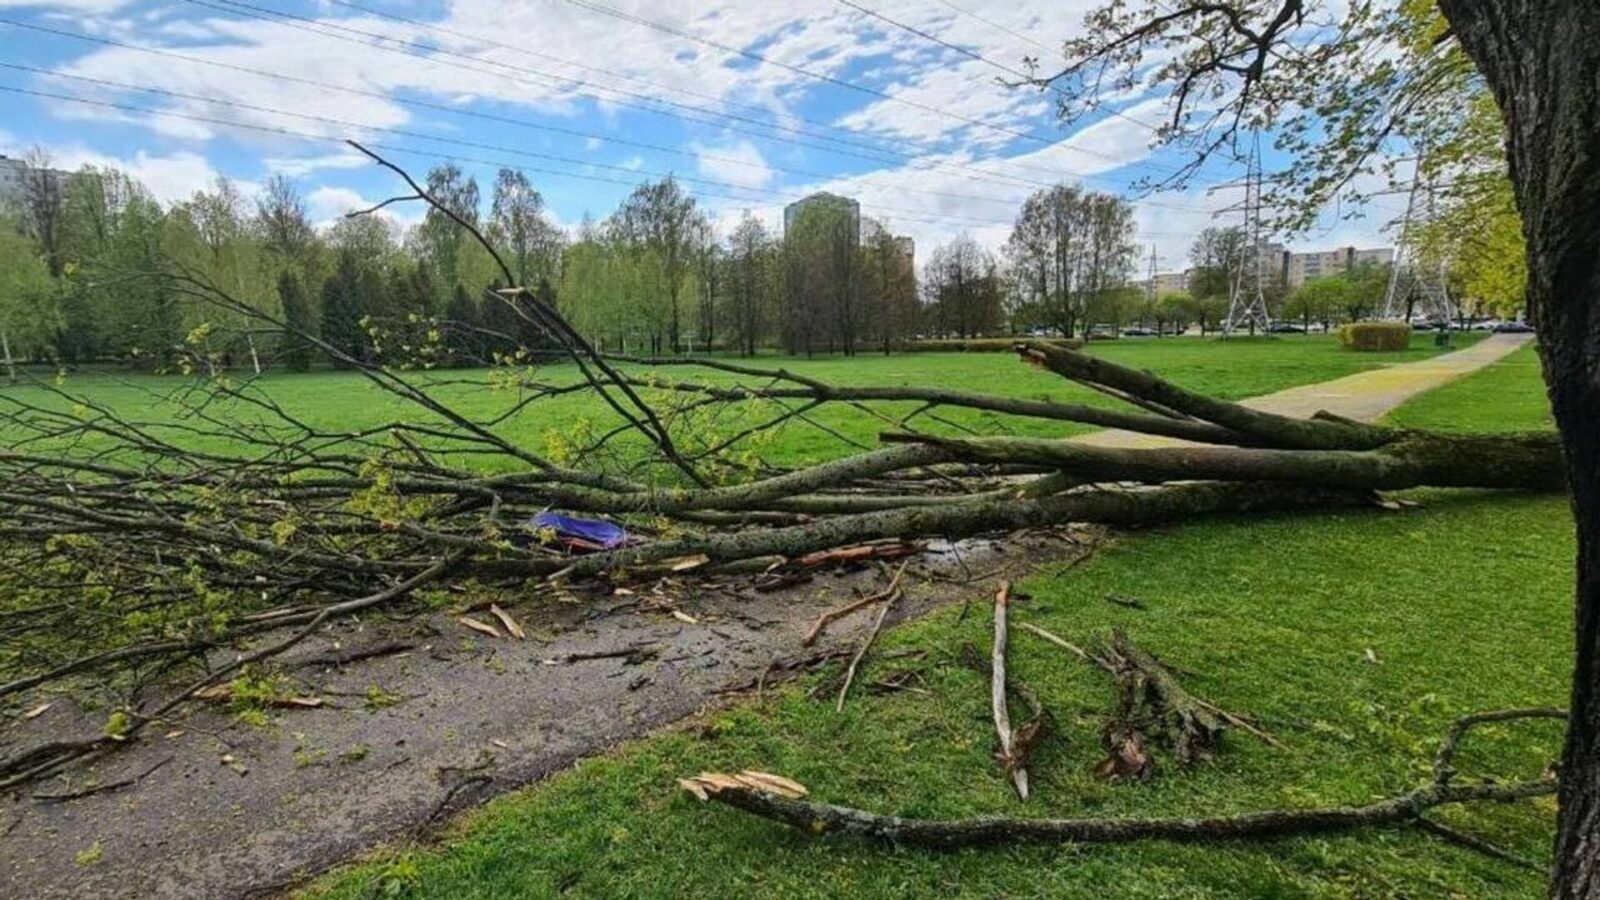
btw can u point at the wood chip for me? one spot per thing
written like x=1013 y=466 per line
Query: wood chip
x=693 y=786
x=707 y=783
x=304 y=702
x=777 y=784
x=37 y=711
x=682 y=616
x=510 y=624
x=718 y=781
x=685 y=563
x=480 y=627
x=499 y=743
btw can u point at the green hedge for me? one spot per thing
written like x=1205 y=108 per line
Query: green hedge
x=987 y=345
x=1375 y=336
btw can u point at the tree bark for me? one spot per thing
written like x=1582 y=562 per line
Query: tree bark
x=1542 y=60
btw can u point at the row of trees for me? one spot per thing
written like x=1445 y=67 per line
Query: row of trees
x=654 y=277
x=87 y=255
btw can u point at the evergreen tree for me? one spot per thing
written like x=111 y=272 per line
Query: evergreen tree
x=462 y=335
x=293 y=347
x=343 y=308
x=423 y=295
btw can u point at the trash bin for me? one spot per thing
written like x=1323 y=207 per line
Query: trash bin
x=1442 y=338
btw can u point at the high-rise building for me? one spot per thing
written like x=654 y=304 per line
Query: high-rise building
x=1168 y=283
x=13 y=183
x=825 y=201
x=12 y=173
x=1300 y=268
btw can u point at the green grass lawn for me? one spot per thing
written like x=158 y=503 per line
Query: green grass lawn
x=343 y=401
x=1463 y=604
x=1507 y=396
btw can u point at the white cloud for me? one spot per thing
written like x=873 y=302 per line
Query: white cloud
x=327 y=204
x=738 y=163
x=78 y=7
x=950 y=100
x=169 y=178
x=296 y=166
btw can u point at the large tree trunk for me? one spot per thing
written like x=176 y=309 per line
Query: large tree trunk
x=1542 y=59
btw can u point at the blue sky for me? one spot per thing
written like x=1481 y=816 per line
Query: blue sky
x=591 y=97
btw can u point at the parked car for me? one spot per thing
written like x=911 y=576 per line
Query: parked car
x=1513 y=328
x=1286 y=328
x=1139 y=332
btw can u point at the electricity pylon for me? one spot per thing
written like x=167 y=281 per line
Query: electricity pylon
x=1247 y=297
x=1410 y=277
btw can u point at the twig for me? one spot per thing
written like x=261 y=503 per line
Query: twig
x=841 y=611
x=634 y=654
x=1472 y=842
x=1240 y=722
x=850 y=673
x=102 y=788
x=1067 y=645
x=343 y=659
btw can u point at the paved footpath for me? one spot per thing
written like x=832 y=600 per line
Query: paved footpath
x=1365 y=395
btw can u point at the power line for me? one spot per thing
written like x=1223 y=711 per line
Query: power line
x=527 y=51
x=932 y=219
x=416 y=135
x=439 y=107
x=427 y=52
x=431 y=53
x=954 y=169
x=979 y=57
x=828 y=79
x=995 y=25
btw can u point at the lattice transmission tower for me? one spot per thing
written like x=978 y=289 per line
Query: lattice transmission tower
x=1247 y=297
x=1150 y=284
x=1415 y=284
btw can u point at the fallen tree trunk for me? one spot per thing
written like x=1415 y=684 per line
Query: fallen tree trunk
x=138 y=544
x=1409 y=459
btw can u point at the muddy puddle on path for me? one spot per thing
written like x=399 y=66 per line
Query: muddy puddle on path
x=432 y=718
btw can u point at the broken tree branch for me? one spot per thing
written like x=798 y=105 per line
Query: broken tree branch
x=823 y=819
x=855 y=661
x=1014 y=765
x=845 y=610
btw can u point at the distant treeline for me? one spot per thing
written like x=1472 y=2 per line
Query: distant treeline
x=88 y=260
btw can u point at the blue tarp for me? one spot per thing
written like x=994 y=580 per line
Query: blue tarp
x=593 y=534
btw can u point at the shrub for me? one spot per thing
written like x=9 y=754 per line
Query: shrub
x=1370 y=336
